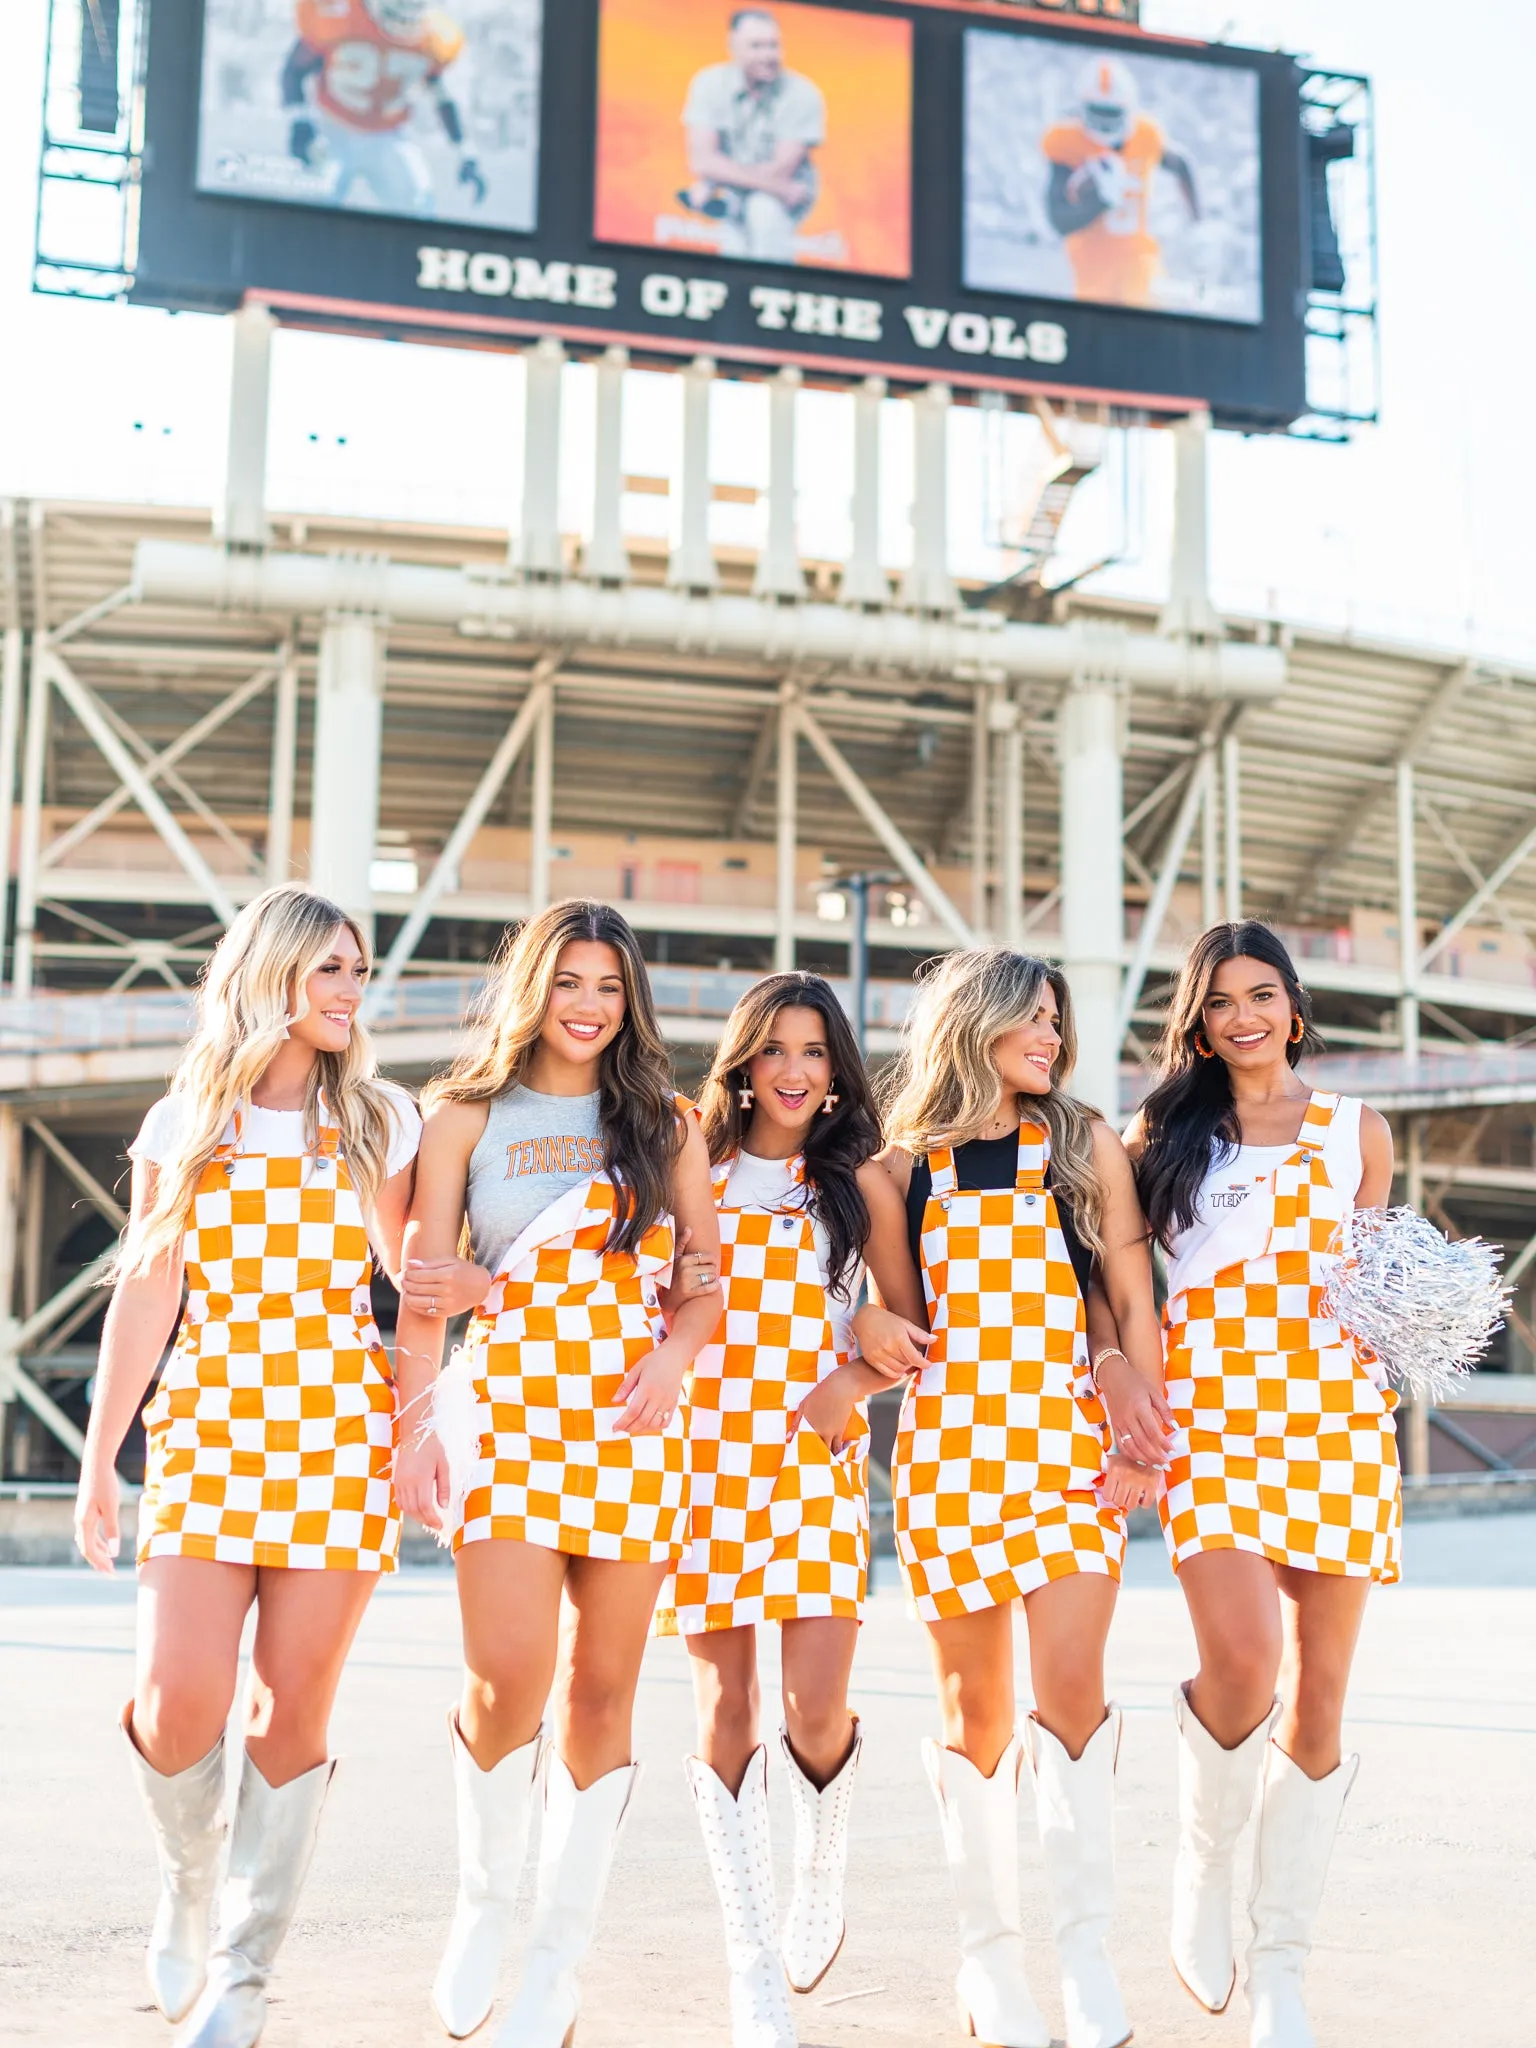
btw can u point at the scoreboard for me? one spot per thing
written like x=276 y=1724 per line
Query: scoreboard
x=1024 y=200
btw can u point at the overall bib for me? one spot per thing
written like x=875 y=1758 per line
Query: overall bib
x=270 y=1440
x=1002 y=1440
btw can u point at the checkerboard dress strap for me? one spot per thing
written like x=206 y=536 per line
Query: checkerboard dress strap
x=720 y=1173
x=226 y=1153
x=941 y=1173
x=1034 y=1158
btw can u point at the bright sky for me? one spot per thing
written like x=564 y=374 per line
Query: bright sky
x=1419 y=530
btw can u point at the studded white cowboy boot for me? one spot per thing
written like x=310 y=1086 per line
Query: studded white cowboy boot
x=270 y=1847
x=980 y=1820
x=813 y=1926
x=493 y=1808
x=1075 y=1808
x=186 y=1813
x=741 y=1863
x=1298 y=1819
x=575 y=1856
x=1216 y=1791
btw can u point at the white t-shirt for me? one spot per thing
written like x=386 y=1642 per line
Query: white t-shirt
x=278 y=1132
x=766 y=1184
x=750 y=126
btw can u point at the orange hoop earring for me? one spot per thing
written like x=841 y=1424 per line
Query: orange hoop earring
x=1202 y=1048
x=1298 y=1030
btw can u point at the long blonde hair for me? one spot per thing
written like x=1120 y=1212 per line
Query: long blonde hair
x=252 y=989
x=638 y=1110
x=944 y=1088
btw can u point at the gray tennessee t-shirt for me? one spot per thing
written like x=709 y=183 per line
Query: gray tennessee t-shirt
x=533 y=1149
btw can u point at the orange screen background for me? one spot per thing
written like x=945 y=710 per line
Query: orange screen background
x=863 y=65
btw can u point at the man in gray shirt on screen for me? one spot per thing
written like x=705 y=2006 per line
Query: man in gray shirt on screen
x=751 y=126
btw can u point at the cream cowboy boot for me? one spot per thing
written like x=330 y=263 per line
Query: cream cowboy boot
x=1298 y=1819
x=186 y=1813
x=741 y=1863
x=575 y=1857
x=270 y=1847
x=980 y=1820
x=493 y=1808
x=1075 y=1806
x=813 y=1926
x=1216 y=1790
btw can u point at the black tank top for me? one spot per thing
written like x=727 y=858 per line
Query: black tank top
x=992 y=1163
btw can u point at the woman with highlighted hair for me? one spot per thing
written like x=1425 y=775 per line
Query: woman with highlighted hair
x=1017 y=1455
x=259 y=1179
x=778 y=1442
x=1282 y=1505
x=557 y=1139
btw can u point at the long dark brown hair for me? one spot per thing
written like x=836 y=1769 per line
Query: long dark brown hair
x=837 y=1145
x=1189 y=1121
x=642 y=1135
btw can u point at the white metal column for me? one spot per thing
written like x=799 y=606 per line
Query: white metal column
x=778 y=565
x=692 y=566
x=864 y=581
x=344 y=778
x=541 y=818
x=981 y=807
x=1408 y=915
x=29 y=863
x=1009 y=713
x=607 y=559
x=1210 y=842
x=538 y=551
x=11 y=696
x=927 y=586
x=788 y=834
x=244 y=524
x=10 y=1177
x=285 y=736
x=1232 y=827
x=1088 y=727
x=1189 y=613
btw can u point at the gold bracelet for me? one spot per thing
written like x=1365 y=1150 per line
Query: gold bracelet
x=1109 y=1351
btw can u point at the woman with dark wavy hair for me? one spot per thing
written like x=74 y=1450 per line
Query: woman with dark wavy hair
x=557 y=1138
x=779 y=1442
x=1281 y=1506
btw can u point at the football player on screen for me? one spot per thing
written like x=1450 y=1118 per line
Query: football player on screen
x=1103 y=162
x=367 y=62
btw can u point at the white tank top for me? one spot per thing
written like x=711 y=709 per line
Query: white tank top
x=1233 y=1183
x=766 y=1184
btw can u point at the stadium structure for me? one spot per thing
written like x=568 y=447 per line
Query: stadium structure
x=747 y=750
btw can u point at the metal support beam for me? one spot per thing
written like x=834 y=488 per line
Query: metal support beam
x=879 y=822
x=1518 y=855
x=758 y=763
x=244 y=524
x=692 y=566
x=29 y=862
x=82 y=1176
x=1210 y=843
x=537 y=550
x=10 y=1190
x=864 y=581
x=779 y=574
x=1010 y=836
x=1408 y=917
x=541 y=817
x=927 y=585
x=787 y=824
x=285 y=763
x=1232 y=826
x=606 y=559
x=471 y=818
x=344 y=774
x=1162 y=894
x=12 y=663
x=981 y=806
x=1089 y=742
x=1189 y=613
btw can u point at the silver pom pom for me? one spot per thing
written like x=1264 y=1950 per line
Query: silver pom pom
x=1424 y=1304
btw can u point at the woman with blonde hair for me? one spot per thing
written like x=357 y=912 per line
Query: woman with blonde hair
x=259 y=1179
x=1016 y=1457
x=558 y=1140
x=779 y=1442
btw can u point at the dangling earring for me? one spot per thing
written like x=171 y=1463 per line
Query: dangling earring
x=1202 y=1048
x=829 y=1103
x=745 y=1097
x=1298 y=1029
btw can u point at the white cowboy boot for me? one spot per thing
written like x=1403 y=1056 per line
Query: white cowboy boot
x=1298 y=1819
x=269 y=1850
x=741 y=1863
x=1075 y=1807
x=1216 y=1788
x=186 y=1813
x=575 y=1857
x=493 y=1808
x=980 y=1820
x=813 y=1926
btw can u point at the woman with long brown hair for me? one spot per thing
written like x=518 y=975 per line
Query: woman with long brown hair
x=1016 y=1458
x=779 y=1441
x=1282 y=1503
x=259 y=1178
x=558 y=1141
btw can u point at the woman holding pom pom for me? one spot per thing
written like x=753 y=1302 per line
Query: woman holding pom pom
x=1282 y=1505
x=557 y=1139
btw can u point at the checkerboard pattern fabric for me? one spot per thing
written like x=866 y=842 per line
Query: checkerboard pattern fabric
x=270 y=1440
x=1291 y=1448
x=1002 y=1440
x=779 y=1527
x=549 y=1349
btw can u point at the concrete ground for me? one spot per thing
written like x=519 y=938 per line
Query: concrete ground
x=1425 y=1935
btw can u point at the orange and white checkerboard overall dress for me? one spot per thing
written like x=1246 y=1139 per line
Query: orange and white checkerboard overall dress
x=270 y=1439
x=779 y=1527
x=562 y=1324
x=1288 y=1449
x=1002 y=1440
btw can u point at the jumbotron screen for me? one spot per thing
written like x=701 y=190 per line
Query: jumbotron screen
x=996 y=198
